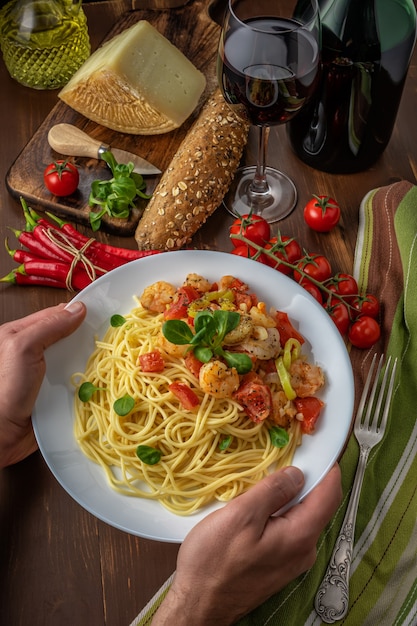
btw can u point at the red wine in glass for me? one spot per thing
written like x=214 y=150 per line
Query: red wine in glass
x=268 y=68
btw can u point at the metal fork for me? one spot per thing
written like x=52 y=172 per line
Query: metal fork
x=332 y=598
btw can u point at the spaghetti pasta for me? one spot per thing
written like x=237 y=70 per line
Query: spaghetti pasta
x=211 y=452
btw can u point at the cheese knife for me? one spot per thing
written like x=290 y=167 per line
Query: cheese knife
x=72 y=141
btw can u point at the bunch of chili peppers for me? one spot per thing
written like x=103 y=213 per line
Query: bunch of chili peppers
x=55 y=254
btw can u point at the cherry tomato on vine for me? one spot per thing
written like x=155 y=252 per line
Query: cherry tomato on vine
x=284 y=249
x=252 y=227
x=343 y=284
x=312 y=289
x=339 y=313
x=366 y=305
x=364 y=332
x=314 y=265
x=322 y=213
x=249 y=253
x=61 y=178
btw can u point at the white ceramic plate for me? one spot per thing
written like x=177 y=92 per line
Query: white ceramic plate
x=113 y=293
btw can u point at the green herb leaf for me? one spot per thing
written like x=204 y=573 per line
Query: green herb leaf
x=177 y=332
x=117 y=320
x=86 y=391
x=225 y=443
x=210 y=329
x=122 y=406
x=242 y=362
x=203 y=354
x=117 y=196
x=148 y=455
x=279 y=437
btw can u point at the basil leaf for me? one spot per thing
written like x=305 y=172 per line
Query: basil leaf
x=122 y=406
x=148 y=455
x=86 y=391
x=279 y=437
x=177 y=331
x=117 y=320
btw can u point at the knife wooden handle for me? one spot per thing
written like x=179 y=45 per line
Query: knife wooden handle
x=72 y=141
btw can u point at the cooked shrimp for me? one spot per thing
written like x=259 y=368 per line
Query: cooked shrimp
x=242 y=330
x=260 y=316
x=158 y=296
x=172 y=349
x=198 y=282
x=306 y=379
x=263 y=343
x=218 y=380
x=283 y=410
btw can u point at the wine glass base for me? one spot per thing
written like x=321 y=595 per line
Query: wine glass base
x=273 y=205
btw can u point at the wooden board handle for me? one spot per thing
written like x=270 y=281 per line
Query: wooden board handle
x=72 y=141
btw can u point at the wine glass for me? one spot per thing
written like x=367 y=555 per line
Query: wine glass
x=268 y=68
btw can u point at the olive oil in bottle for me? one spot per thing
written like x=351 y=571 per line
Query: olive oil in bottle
x=43 y=41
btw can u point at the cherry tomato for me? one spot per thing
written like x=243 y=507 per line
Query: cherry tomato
x=364 y=332
x=339 y=313
x=61 y=178
x=253 y=227
x=366 y=305
x=188 y=398
x=312 y=289
x=322 y=213
x=310 y=408
x=152 y=361
x=343 y=284
x=315 y=265
x=286 y=329
x=178 y=308
x=284 y=249
x=249 y=253
x=255 y=397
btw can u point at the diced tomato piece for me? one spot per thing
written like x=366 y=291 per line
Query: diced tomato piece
x=245 y=298
x=286 y=329
x=310 y=408
x=255 y=397
x=192 y=363
x=185 y=395
x=182 y=299
x=152 y=361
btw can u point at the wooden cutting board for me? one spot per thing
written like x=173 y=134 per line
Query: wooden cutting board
x=196 y=34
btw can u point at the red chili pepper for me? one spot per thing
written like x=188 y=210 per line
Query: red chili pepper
x=17 y=278
x=28 y=240
x=128 y=255
x=59 y=271
x=41 y=234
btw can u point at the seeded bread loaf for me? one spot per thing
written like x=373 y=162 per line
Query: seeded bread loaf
x=196 y=180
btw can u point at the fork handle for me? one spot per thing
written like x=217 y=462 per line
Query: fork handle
x=332 y=598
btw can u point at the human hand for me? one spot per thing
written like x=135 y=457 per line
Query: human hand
x=22 y=368
x=238 y=556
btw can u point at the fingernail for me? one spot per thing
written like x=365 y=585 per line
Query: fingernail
x=295 y=474
x=74 y=306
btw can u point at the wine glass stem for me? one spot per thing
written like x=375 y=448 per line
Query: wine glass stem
x=259 y=184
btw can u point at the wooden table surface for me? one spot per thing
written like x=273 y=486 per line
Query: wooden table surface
x=59 y=565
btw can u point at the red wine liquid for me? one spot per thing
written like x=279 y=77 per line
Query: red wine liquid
x=270 y=77
x=348 y=123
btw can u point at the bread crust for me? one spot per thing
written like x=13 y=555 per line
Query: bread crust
x=196 y=180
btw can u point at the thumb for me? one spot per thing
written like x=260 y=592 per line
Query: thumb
x=48 y=326
x=273 y=492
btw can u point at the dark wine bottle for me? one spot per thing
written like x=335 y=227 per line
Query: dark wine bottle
x=366 y=50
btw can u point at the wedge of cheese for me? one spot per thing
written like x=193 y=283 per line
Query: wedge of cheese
x=137 y=82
